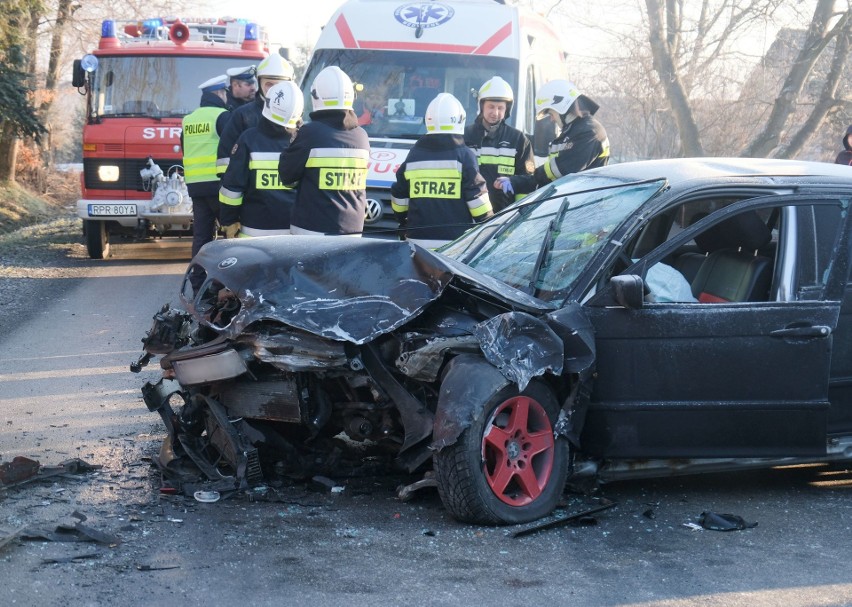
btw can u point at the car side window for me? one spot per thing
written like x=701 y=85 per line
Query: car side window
x=816 y=229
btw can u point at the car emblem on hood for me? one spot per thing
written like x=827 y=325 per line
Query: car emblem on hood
x=227 y=263
x=374 y=210
x=423 y=15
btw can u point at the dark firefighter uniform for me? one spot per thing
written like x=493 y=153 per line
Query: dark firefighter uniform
x=582 y=145
x=200 y=138
x=439 y=193
x=502 y=153
x=252 y=193
x=244 y=117
x=328 y=160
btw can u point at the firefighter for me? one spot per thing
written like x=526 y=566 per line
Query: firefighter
x=254 y=201
x=328 y=160
x=581 y=145
x=439 y=192
x=199 y=138
x=270 y=71
x=501 y=149
x=242 y=87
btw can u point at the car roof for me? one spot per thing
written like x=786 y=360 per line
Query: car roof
x=681 y=170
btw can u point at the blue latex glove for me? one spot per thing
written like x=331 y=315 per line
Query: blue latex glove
x=505 y=184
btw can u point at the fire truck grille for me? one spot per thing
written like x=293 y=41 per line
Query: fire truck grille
x=128 y=173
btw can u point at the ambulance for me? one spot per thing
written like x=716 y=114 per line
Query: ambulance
x=400 y=55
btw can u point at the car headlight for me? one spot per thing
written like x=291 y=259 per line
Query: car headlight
x=108 y=172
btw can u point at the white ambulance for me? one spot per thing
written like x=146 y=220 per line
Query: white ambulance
x=401 y=54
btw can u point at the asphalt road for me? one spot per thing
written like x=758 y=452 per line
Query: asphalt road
x=66 y=392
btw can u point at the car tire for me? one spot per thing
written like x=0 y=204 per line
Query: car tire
x=507 y=467
x=97 y=239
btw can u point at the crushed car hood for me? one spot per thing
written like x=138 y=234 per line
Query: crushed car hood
x=346 y=289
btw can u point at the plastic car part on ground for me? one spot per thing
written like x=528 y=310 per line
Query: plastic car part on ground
x=723 y=522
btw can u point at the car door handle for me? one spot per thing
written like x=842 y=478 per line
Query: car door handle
x=802 y=332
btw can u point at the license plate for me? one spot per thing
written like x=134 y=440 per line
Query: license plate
x=112 y=210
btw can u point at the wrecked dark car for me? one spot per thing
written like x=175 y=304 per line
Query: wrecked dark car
x=641 y=319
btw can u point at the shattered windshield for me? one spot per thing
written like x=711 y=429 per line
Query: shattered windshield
x=542 y=243
x=395 y=87
x=150 y=85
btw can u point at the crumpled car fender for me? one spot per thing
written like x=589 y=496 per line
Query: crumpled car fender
x=468 y=383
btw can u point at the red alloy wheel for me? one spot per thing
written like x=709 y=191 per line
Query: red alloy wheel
x=517 y=451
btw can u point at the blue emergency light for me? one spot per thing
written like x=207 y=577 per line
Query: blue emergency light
x=151 y=27
x=108 y=29
x=251 y=31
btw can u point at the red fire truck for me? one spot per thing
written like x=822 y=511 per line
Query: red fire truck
x=138 y=86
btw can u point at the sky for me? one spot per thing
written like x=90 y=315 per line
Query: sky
x=289 y=22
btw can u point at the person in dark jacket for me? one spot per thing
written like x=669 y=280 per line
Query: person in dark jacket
x=199 y=138
x=845 y=157
x=501 y=150
x=439 y=193
x=582 y=143
x=254 y=201
x=327 y=161
x=270 y=71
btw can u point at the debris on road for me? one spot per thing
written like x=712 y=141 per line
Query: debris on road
x=723 y=522
x=23 y=470
x=561 y=521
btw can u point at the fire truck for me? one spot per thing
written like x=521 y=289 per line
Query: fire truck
x=139 y=84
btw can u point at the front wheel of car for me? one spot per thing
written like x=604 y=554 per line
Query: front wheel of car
x=507 y=467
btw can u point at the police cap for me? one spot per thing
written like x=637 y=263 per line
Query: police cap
x=242 y=73
x=214 y=84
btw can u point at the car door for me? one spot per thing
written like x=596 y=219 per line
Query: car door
x=724 y=379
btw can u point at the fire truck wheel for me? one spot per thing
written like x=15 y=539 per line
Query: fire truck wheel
x=97 y=239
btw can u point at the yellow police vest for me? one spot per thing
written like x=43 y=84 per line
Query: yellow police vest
x=200 y=141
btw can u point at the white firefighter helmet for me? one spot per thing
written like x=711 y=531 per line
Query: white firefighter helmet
x=275 y=67
x=496 y=89
x=284 y=104
x=332 y=90
x=445 y=114
x=560 y=95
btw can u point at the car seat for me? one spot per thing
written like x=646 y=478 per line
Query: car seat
x=733 y=270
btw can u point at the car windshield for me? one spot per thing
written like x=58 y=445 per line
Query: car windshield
x=395 y=87
x=542 y=243
x=153 y=85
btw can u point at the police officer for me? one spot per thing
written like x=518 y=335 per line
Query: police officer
x=254 y=201
x=581 y=145
x=328 y=160
x=439 y=192
x=501 y=149
x=242 y=87
x=270 y=71
x=199 y=138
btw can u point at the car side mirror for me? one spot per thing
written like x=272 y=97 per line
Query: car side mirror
x=628 y=290
x=78 y=74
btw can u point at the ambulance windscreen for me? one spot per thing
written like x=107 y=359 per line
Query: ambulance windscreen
x=395 y=87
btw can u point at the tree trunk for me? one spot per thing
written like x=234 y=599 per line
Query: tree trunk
x=815 y=41
x=8 y=152
x=827 y=100
x=664 y=65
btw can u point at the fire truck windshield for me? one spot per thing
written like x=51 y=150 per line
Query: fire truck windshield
x=152 y=85
x=396 y=86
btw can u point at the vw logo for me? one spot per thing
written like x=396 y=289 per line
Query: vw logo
x=374 y=210
x=227 y=263
x=423 y=14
